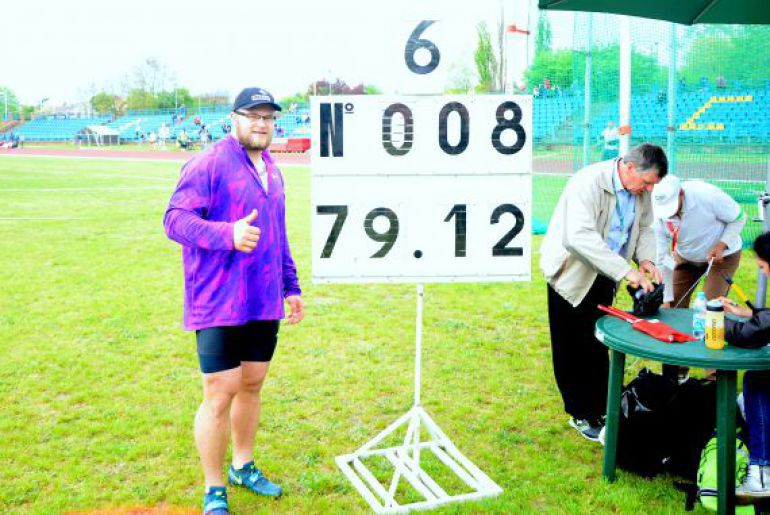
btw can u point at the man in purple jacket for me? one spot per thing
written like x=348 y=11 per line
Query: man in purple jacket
x=229 y=214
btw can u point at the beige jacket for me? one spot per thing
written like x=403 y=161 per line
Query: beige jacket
x=575 y=251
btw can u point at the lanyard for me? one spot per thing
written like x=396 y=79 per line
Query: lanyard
x=674 y=230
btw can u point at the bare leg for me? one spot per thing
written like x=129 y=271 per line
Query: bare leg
x=213 y=420
x=244 y=414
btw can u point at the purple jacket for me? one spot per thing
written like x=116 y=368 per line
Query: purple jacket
x=225 y=287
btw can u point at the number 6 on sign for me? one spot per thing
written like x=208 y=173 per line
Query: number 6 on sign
x=415 y=43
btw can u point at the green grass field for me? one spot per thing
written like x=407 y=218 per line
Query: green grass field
x=99 y=384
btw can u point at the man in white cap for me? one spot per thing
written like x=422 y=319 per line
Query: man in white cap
x=695 y=222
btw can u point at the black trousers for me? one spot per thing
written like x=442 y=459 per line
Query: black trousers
x=580 y=362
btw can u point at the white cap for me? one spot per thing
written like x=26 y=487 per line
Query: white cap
x=665 y=197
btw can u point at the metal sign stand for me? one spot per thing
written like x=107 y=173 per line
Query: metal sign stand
x=405 y=458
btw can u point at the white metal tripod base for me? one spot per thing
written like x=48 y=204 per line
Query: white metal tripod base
x=405 y=460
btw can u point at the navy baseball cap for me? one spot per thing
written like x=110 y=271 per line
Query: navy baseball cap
x=253 y=97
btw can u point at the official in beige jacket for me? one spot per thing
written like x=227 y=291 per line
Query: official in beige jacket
x=600 y=224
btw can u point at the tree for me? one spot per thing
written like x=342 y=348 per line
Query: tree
x=297 y=99
x=26 y=112
x=543 y=38
x=555 y=66
x=141 y=99
x=151 y=75
x=174 y=98
x=739 y=54
x=213 y=98
x=338 y=87
x=484 y=57
x=565 y=68
x=104 y=103
x=502 y=68
x=459 y=78
x=6 y=95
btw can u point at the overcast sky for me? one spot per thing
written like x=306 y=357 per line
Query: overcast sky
x=62 y=50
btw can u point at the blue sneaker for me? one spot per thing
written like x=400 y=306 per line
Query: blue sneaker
x=252 y=478
x=215 y=501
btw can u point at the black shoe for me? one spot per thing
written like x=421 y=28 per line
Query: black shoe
x=588 y=429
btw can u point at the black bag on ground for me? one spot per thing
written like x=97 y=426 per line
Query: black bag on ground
x=664 y=425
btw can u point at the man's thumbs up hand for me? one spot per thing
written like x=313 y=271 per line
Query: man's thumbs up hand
x=245 y=236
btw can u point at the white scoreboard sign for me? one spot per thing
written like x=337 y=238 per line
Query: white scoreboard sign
x=421 y=188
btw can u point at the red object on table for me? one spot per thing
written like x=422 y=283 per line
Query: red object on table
x=654 y=328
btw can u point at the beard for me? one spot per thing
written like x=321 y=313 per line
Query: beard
x=252 y=140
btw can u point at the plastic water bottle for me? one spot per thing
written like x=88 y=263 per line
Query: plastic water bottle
x=699 y=316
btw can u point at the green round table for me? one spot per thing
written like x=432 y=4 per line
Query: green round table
x=622 y=339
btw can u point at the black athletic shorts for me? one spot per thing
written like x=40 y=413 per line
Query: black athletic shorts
x=223 y=348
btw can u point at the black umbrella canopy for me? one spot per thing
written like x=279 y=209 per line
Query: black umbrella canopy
x=687 y=12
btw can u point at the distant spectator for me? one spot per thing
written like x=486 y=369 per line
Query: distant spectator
x=661 y=97
x=20 y=137
x=197 y=120
x=226 y=128
x=611 y=138
x=152 y=138
x=721 y=82
x=683 y=84
x=279 y=132
x=556 y=90
x=203 y=134
x=182 y=112
x=536 y=91
x=574 y=88
x=184 y=140
x=163 y=134
x=174 y=118
x=547 y=83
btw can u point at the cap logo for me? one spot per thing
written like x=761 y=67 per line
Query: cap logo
x=261 y=97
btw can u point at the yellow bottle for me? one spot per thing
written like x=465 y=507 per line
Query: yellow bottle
x=715 y=325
